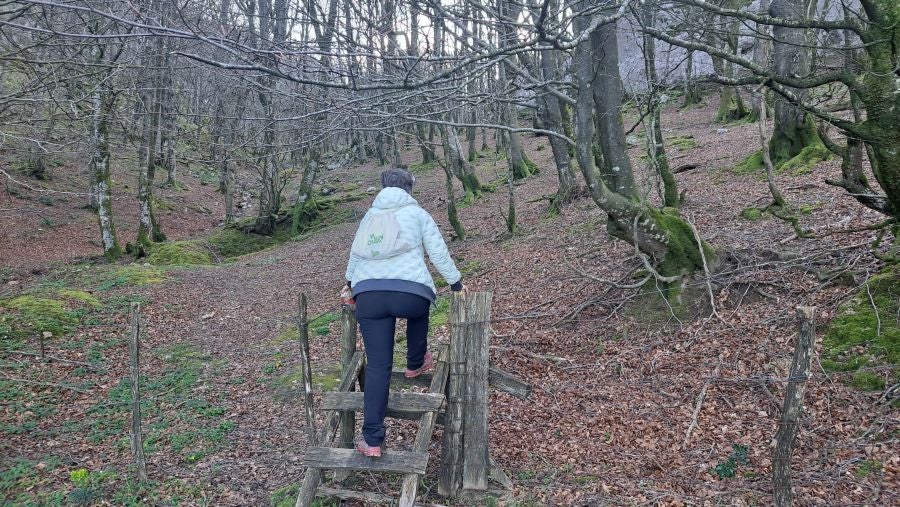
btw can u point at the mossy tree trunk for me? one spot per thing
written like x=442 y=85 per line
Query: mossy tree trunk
x=793 y=128
x=550 y=110
x=522 y=166
x=691 y=91
x=379 y=148
x=458 y=165
x=169 y=125
x=424 y=143
x=761 y=50
x=269 y=171
x=731 y=105
x=452 y=214
x=148 y=225
x=511 y=209
x=103 y=102
x=880 y=95
x=471 y=136
x=662 y=235
x=607 y=95
x=656 y=148
x=272 y=34
x=305 y=189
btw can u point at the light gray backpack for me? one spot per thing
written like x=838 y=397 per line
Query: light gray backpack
x=378 y=237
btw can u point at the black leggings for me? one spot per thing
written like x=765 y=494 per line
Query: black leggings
x=377 y=313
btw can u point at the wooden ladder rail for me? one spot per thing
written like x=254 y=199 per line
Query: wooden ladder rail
x=426 y=426
x=313 y=476
x=411 y=463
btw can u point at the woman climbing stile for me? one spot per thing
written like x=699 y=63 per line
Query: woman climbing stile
x=388 y=279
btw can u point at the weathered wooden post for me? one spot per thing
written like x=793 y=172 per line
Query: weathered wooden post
x=134 y=346
x=348 y=348
x=303 y=333
x=464 y=459
x=793 y=404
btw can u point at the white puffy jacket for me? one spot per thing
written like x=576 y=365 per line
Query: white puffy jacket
x=417 y=227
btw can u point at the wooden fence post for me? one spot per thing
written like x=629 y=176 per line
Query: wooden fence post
x=793 y=404
x=303 y=329
x=134 y=346
x=476 y=461
x=348 y=348
x=464 y=455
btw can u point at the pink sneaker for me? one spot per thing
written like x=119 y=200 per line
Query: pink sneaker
x=427 y=365
x=368 y=450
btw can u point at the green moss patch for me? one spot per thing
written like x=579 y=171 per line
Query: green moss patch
x=321 y=325
x=683 y=143
x=866 y=330
x=422 y=167
x=867 y=468
x=867 y=381
x=131 y=275
x=289 y=385
x=318 y=326
x=320 y=212
x=466 y=268
x=178 y=253
x=751 y=165
x=286 y=496
x=28 y=316
x=683 y=255
x=79 y=296
x=232 y=242
x=752 y=214
x=804 y=161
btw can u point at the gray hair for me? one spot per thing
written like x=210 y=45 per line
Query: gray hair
x=397 y=177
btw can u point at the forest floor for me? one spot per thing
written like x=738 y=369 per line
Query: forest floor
x=616 y=375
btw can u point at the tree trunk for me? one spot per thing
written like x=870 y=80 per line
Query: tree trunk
x=608 y=93
x=458 y=165
x=655 y=143
x=270 y=193
x=452 y=215
x=731 y=105
x=551 y=112
x=102 y=99
x=691 y=92
x=148 y=226
x=511 y=208
x=522 y=166
x=427 y=150
x=664 y=236
x=170 y=110
x=761 y=52
x=881 y=97
x=470 y=136
x=793 y=129
x=305 y=190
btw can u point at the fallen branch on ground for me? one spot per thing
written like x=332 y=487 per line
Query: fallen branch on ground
x=697 y=407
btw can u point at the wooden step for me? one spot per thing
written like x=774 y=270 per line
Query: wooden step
x=398 y=402
x=498 y=379
x=391 y=461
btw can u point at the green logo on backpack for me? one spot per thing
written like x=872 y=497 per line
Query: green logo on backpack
x=375 y=240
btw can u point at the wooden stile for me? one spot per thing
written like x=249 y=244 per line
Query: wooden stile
x=459 y=384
